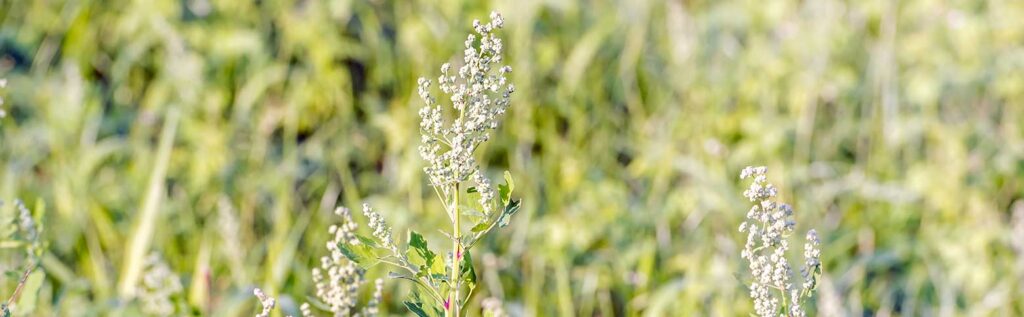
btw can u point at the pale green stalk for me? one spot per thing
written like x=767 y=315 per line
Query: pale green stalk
x=146 y=224
x=453 y=308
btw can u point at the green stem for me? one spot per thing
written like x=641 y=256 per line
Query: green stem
x=453 y=304
x=785 y=305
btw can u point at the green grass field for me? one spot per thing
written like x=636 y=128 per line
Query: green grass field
x=222 y=134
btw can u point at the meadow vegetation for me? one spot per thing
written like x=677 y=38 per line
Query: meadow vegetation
x=176 y=155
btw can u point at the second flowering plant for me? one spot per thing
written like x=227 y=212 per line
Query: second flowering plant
x=768 y=227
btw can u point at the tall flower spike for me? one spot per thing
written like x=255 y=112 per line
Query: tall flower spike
x=266 y=301
x=479 y=95
x=373 y=307
x=768 y=225
x=812 y=260
x=380 y=228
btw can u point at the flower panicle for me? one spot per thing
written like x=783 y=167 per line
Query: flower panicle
x=478 y=93
x=337 y=280
x=768 y=226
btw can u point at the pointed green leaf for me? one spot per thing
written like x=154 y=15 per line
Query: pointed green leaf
x=506 y=215
x=367 y=241
x=505 y=190
x=361 y=254
x=471 y=190
x=27 y=302
x=480 y=227
x=471 y=211
x=437 y=268
x=508 y=180
x=416 y=308
x=423 y=306
x=419 y=253
x=468 y=274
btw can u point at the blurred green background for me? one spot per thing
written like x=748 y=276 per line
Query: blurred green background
x=895 y=128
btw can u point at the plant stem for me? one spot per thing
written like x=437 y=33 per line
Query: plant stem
x=17 y=290
x=785 y=305
x=456 y=256
x=453 y=305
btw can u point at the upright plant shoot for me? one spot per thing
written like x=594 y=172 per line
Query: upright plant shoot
x=451 y=130
x=768 y=226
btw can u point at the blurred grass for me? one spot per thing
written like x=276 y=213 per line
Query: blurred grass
x=894 y=127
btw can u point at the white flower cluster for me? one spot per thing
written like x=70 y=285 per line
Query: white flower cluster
x=339 y=289
x=26 y=224
x=483 y=186
x=159 y=286
x=266 y=301
x=479 y=95
x=380 y=228
x=373 y=307
x=341 y=292
x=337 y=280
x=768 y=225
x=812 y=259
x=345 y=233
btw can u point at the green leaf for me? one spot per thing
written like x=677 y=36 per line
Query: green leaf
x=27 y=302
x=419 y=254
x=505 y=190
x=423 y=307
x=472 y=206
x=419 y=244
x=410 y=278
x=471 y=212
x=468 y=274
x=437 y=269
x=367 y=241
x=480 y=227
x=508 y=180
x=361 y=254
x=506 y=215
x=416 y=308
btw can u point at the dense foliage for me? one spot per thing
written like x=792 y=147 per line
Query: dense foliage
x=208 y=142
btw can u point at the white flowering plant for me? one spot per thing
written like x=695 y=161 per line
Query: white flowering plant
x=21 y=231
x=479 y=95
x=159 y=288
x=768 y=226
x=337 y=280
